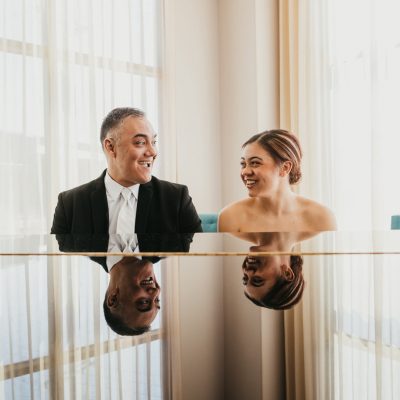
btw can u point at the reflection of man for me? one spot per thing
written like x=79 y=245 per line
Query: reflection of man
x=132 y=298
x=126 y=198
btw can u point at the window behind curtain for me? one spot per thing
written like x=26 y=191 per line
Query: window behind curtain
x=364 y=38
x=365 y=98
x=63 y=66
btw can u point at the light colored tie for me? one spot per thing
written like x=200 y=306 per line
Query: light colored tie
x=125 y=221
x=121 y=243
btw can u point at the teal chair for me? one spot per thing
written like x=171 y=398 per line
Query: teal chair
x=209 y=222
x=395 y=222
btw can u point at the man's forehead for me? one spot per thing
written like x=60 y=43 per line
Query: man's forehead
x=137 y=126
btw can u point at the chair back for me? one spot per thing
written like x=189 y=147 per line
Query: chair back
x=209 y=222
x=395 y=222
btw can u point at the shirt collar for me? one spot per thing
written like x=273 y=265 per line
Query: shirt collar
x=113 y=188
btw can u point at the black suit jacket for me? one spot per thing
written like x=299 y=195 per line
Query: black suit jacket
x=152 y=243
x=163 y=207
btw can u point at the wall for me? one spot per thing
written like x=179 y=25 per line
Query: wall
x=192 y=103
x=202 y=328
x=249 y=81
x=249 y=94
x=193 y=117
x=222 y=79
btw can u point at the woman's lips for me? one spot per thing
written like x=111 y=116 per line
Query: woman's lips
x=251 y=262
x=249 y=183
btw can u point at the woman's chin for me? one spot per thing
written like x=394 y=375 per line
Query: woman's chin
x=251 y=192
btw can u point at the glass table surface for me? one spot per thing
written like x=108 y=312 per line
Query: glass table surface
x=213 y=244
x=203 y=316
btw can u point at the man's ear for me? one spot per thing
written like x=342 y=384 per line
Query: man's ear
x=109 y=145
x=287 y=272
x=112 y=299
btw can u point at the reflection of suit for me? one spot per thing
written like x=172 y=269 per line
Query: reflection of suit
x=148 y=243
x=163 y=207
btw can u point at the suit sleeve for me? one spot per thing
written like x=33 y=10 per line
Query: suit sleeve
x=60 y=224
x=188 y=217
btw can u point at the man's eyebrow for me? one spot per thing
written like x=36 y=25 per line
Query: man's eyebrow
x=143 y=135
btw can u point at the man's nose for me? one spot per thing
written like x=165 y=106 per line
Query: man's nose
x=154 y=291
x=250 y=269
x=151 y=150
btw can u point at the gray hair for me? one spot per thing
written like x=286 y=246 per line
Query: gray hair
x=115 y=117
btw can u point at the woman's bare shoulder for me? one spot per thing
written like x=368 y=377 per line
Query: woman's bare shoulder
x=318 y=217
x=229 y=218
x=237 y=205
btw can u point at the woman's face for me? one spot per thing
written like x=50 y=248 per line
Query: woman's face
x=259 y=171
x=260 y=274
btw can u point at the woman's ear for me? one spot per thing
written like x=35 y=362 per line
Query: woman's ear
x=285 y=168
x=287 y=272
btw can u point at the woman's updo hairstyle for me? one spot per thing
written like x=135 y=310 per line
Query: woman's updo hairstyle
x=282 y=146
x=284 y=294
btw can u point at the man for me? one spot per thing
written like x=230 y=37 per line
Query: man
x=126 y=198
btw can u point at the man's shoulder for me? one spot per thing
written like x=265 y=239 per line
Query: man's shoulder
x=166 y=185
x=85 y=188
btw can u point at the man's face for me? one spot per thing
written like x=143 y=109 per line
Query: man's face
x=140 y=296
x=136 y=297
x=131 y=150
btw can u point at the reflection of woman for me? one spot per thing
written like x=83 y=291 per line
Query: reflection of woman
x=274 y=281
x=270 y=163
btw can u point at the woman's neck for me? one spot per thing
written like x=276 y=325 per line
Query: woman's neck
x=278 y=203
x=275 y=241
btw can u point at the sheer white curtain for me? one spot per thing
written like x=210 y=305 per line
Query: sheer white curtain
x=339 y=64
x=55 y=342
x=365 y=124
x=63 y=66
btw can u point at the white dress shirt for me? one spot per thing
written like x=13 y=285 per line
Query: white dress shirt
x=115 y=200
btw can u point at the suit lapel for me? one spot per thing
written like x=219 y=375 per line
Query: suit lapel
x=99 y=207
x=143 y=207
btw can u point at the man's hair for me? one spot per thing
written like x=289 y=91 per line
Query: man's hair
x=115 y=117
x=284 y=294
x=118 y=326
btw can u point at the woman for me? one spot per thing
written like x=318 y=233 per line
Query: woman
x=270 y=164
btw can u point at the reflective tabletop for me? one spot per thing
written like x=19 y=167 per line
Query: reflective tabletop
x=213 y=244
x=203 y=316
